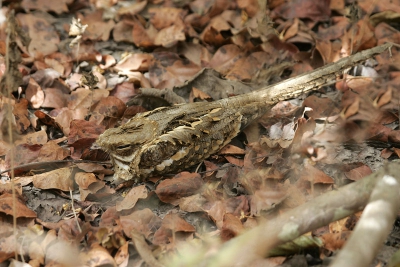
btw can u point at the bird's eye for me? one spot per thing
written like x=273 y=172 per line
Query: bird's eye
x=124 y=147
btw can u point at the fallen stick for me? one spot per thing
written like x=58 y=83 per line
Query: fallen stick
x=329 y=207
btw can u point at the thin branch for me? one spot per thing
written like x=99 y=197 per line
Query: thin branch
x=374 y=225
x=329 y=207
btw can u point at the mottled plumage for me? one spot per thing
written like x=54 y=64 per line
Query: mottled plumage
x=171 y=139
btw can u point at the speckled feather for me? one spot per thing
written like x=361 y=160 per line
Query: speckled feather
x=171 y=139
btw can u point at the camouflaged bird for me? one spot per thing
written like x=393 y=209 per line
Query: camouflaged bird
x=171 y=139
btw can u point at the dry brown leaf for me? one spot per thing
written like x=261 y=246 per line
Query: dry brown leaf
x=315 y=176
x=335 y=31
x=84 y=129
x=21 y=210
x=235 y=205
x=122 y=256
x=231 y=227
x=231 y=150
x=52 y=151
x=165 y=16
x=196 y=93
x=170 y=36
x=352 y=109
x=265 y=199
x=384 y=98
x=245 y=68
x=97 y=256
x=60 y=62
x=34 y=94
x=46 y=6
x=122 y=31
x=387 y=153
x=172 y=223
x=144 y=250
x=168 y=70
x=321 y=107
x=192 y=203
x=107 y=111
x=130 y=200
x=358 y=173
x=234 y=160
x=182 y=185
x=134 y=62
x=24 y=154
x=141 y=36
x=97 y=28
x=54 y=98
x=84 y=180
x=44 y=38
x=132 y=9
x=145 y=221
x=58 y=179
x=212 y=33
x=316 y=11
x=335 y=241
x=8 y=246
x=65 y=116
x=225 y=58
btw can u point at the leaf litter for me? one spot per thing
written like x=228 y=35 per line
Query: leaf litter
x=196 y=51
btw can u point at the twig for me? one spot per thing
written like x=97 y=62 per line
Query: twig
x=74 y=212
x=374 y=225
x=33 y=165
x=332 y=206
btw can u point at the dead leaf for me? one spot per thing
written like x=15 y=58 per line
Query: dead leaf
x=225 y=57
x=46 y=6
x=358 y=173
x=52 y=151
x=122 y=256
x=54 y=98
x=182 y=185
x=145 y=221
x=266 y=199
x=166 y=16
x=26 y=154
x=384 y=98
x=141 y=36
x=231 y=227
x=80 y=129
x=170 y=36
x=192 y=203
x=134 y=62
x=58 y=179
x=108 y=110
x=335 y=241
x=171 y=224
x=168 y=70
x=132 y=9
x=234 y=160
x=34 y=94
x=316 y=11
x=315 y=176
x=352 y=109
x=97 y=28
x=44 y=36
x=60 y=62
x=196 y=93
x=21 y=210
x=97 y=256
x=130 y=200
x=231 y=150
